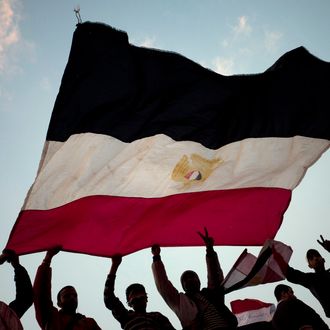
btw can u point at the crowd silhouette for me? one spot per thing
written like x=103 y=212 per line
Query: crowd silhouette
x=196 y=308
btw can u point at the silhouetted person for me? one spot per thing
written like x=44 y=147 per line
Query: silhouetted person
x=293 y=314
x=48 y=316
x=317 y=282
x=136 y=296
x=10 y=314
x=196 y=309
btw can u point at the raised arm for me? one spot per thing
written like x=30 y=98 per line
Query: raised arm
x=24 y=293
x=43 y=303
x=119 y=312
x=109 y=288
x=166 y=289
x=214 y=271
x=324 y=243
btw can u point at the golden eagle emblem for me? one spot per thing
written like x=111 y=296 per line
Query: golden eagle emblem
x=193 y=170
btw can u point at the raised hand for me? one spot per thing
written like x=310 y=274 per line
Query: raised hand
x=155 y=250
x=3 y=258
x=10 y=256
x=209 y=241
x=115 y=262
x=51 y=253
x=324 y=243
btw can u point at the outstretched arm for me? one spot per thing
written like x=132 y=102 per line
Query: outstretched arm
x=24 y=293
x=50 y=254
x=324 y=243
x=119 y=312
x=214 y=271
x=43 y=303
x=116 y=261
x=109 y=288
x=291 y=274
x=166 y=289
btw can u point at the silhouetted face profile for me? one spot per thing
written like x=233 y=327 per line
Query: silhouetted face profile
x=190 y=282
x=137 y=297
x=138 y=300
x=289 y=294
x=67 y=299
x=283 y=292
x=315 y=260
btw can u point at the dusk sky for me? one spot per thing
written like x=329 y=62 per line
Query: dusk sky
x=229 y=37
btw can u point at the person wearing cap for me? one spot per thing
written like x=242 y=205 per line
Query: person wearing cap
x=318 y=282
x=136 y=296
x=47 y=315
x=293 y=314
x=10 y=314
x=196 y=309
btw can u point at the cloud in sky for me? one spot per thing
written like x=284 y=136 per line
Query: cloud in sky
x=272 y=39
x=9 y=30
x=238 y=32
x=148 y=42
x=45 y=84
x=241 y=44
x=223 y=65
x=5 y=95
x=242 y=26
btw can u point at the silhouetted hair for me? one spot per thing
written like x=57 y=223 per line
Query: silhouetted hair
x=312 y=253
x=185 y=273
x=134 y=287
x=59 y=293
x=281 y=288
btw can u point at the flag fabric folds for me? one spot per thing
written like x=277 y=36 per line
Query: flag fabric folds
x=253 y=314
x=249 y=270
x=145 y=146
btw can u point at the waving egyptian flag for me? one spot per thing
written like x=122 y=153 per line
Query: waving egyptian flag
x=253 y=314
x=145 y=146
x=249 y=270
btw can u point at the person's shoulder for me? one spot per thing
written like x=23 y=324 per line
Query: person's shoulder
x=285 y=304
x=218 y=290
x=160 y=318
x=296 y=305
x=158 y=315
x=9 y=318
x=89 y=320
x=155 y=313
x=3 y=304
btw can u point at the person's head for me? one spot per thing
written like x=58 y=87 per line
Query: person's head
x=137 y=297
x=315 y=260
x=190 y=282
x=283 y=292
x=67 y=299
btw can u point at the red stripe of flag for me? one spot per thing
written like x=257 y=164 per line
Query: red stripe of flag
x=107 y=225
